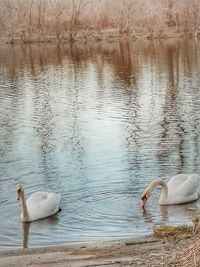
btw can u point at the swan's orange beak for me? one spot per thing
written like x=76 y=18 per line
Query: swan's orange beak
x=144 y=200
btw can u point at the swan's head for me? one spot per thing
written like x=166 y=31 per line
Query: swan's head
x=148 y=190
x=19 y=191
x=145 y=196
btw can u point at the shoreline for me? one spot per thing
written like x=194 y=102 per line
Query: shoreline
x=122 y=252
x=92 y=36
x=76 y=244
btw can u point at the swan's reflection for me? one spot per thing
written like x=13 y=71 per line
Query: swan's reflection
x=169 y=212
x=36 y=227
x=164 y=211
x=26 y=227
x=148 y=217
x=176 y=210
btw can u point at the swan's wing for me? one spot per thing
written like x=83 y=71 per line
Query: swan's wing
x=51 y=203
x=177 y=180
x=43 y=204
x=37 y=196
x=190 y=186
x=183 y=188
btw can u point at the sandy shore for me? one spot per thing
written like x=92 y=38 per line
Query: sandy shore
x=129 y=252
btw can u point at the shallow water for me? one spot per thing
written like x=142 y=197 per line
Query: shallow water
x=97 y=124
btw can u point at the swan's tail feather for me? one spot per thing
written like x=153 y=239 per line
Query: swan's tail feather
x=199 y=189
x=58 y=198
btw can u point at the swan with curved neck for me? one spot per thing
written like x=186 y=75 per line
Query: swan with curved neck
x=38 y=206
x=180 y=189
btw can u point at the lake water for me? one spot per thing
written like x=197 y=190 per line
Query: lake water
x=97 y=124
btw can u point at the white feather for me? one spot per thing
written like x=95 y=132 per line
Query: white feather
x=39 y=205
x=42 y=204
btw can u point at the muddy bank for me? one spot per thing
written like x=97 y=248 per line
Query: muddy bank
x=130 y=252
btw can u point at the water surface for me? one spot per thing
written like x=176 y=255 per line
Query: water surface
x=97 y=124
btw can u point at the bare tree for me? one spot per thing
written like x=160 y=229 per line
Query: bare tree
x=169 y=16
x=128 y=7
x=60 y=19
x=40 y=13
x=57 y=17
x=77 y=8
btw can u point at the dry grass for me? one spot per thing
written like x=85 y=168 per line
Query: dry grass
x=195 y=216
x=42 y=20
x=190 y=257
x=169 y=231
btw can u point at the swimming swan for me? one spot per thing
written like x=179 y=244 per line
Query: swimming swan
x=38 y=206
x=180 y=189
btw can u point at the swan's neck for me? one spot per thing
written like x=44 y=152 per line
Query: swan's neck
x=24 y=215
x=162 y=183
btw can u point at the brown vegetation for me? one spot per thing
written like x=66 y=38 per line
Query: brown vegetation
x=166 y=231
x=190 y=256
x=50 y=20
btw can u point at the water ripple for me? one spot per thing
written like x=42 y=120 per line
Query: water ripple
x=97 y=131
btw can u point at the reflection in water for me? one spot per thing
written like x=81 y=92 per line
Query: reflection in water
x=85 y=120
x=168 y=212
x=147 y=216
x=37 y=226
x=26 y=227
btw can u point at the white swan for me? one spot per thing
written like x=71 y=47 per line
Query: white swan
x=180 y=189
x=38 y=206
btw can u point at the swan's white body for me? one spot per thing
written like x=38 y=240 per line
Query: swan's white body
x=42 y=204
x=39 y=205
x=180 y=189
